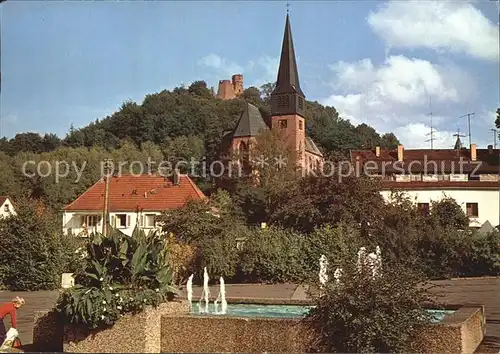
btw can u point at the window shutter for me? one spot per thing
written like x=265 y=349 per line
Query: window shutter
x=82 y=220
x=128 y=221
x=142 y=220
x=113 y=221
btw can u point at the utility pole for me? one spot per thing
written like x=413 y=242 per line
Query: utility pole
x=495 y=132
x=106 y=197
x=468 y=115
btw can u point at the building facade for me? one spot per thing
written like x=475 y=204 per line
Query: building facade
x=469 y=176
x=132 y=201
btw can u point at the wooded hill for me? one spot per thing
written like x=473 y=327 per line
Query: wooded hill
x=179 y=124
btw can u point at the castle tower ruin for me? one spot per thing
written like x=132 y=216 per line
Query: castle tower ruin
x=229 y=89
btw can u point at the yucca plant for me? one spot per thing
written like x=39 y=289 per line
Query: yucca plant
x=122 y=274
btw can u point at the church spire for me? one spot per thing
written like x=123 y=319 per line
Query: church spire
x=288 y=76
x=287 y=97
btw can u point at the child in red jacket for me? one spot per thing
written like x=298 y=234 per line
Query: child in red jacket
x=9 y=308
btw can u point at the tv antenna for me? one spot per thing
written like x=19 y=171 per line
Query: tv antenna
x=495 y=133
x=468 y=115
x=431 y=133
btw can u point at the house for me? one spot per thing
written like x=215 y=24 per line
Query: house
x=470 y=176
x=287 y=114
x=133 y=201
x=6 y=208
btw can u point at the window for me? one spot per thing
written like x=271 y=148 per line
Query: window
x=149 y=220
x=300 y=125
x=301 y=102
x=6 y=208
x=122 y=220
x=423 y=208
x=472 y=210
x=92 y=220
x=282 y=123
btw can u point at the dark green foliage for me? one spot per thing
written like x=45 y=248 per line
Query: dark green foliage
x=33 y=251
x=360 y=314
x=121 y=275
x=447 y=212
x=274 y=255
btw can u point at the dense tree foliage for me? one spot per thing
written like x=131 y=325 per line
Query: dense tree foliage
x=183 y=124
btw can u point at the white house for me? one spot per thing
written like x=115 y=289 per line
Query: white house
x=469 y=176
x=6 y=208
x=132 y=200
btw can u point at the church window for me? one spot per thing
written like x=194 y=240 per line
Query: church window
x=282 y=123
x=300 y=125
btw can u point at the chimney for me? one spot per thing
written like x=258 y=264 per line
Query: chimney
x=473 y=155
x=400 y=152
x=377 y=151
x=490 y=149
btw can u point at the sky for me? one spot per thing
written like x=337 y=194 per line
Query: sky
x=388 y=64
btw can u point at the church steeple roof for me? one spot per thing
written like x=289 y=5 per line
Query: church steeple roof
x=288 y=76
x=458 y=144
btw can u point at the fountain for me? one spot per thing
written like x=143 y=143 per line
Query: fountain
x=205 y=293
x=189 y=289
x=222 y=298
x=323 y=276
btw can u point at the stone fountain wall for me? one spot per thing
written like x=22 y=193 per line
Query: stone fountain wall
x=460 y=332
x=139 y=333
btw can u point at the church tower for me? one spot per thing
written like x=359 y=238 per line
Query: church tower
x=288 y=100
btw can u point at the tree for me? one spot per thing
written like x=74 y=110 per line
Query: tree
x=497 y=120
x=33 y=251
x=252 y=95
x=362 y=314
x=389 y=141
x=447 y=213
x=266 y=91
x=199 y=88
x=368 y=137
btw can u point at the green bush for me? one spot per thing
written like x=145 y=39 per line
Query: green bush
x=274 y=255
x=365 y=314
x=121 y=275
x=33 y=250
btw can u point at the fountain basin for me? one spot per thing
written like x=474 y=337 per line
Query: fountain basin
x=291 y=311
x=275 y=325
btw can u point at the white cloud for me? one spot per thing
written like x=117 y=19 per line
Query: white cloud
x=394 y=96
x=221 y=65
x=256 y=72
x=453 y=26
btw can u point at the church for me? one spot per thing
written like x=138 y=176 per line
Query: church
x=287 y=114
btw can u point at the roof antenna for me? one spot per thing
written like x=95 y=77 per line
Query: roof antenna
x=431 y=133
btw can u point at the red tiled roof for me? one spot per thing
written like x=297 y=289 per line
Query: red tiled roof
x=131 y=193
x=3 y=198
x=441 y=185
x=447 y=160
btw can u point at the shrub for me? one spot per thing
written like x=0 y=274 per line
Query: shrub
x=182 y=257
x=33 y=250
x=337 y=243
x=362 y=314
x=274 y=255
x=121 y=275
